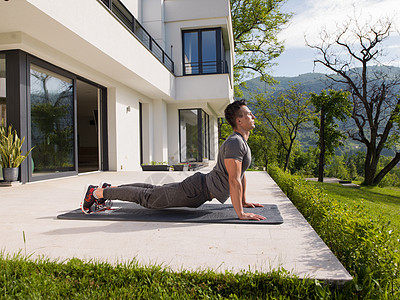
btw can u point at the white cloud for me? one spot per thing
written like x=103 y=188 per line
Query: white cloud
x=311 y=16
x=393 y=47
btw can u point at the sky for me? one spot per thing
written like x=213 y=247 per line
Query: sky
x=311 y=16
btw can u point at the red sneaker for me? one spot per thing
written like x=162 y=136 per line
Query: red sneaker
x=89 y=199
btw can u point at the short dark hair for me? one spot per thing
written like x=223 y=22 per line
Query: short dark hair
x=232 y=111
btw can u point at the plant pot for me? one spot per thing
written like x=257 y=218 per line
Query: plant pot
x=10 y=174
x=155 y=167
x=181 y=167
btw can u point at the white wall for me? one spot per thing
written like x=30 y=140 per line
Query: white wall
x=135 y=7
x=148 y=132
x=153 y=20
x=181 y=10
x=160 y=131
x=112 y=129
x=126 y=128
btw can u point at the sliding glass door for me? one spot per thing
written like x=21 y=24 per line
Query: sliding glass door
x=52 y=122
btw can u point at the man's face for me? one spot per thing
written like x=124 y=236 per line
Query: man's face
x=247 y=119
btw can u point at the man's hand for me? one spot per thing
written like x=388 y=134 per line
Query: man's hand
x=252 y=205
x=250 y=216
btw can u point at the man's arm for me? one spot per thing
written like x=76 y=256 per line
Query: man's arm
x=234 y=168
x=244 y=202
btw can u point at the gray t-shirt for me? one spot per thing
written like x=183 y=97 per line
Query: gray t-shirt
x=217 y=180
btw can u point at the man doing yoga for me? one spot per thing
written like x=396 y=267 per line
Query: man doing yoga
x=226 y=179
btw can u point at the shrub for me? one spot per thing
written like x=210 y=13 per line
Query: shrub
x=366 y=247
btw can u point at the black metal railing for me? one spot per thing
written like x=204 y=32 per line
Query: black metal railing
x=206 y=67
x=124 y=15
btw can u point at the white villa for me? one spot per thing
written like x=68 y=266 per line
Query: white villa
x=111 y=84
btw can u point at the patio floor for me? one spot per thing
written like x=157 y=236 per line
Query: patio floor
x=32 y=209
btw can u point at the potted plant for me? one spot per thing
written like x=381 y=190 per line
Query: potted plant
x=156 y=166
x=11 y=156
x=181 y=167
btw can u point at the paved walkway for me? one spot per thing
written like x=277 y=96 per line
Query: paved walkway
x=32 y=209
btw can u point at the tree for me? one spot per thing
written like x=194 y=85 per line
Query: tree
x=262 y=145
x=285 y=115
x=256 y=24
x=373 y=90
x=330 y=106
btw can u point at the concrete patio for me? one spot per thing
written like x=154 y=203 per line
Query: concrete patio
x=32 y=209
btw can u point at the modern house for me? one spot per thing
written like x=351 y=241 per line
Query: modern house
x=111 y=84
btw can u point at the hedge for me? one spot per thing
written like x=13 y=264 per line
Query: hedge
x=365 y=247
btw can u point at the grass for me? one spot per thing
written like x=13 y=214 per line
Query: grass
x=22 y=278
x=379 y=203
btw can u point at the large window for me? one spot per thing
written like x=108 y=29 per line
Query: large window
x=203 y=52
x=52 y=122
x=194 y=135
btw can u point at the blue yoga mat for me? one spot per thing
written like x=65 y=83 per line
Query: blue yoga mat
x=207 y=213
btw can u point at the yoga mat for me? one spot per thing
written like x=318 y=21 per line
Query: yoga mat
x=207 y=213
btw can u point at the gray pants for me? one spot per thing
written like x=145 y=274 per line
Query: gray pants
x=192 y=192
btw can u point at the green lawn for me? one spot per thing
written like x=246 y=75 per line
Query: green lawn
x=379 y=202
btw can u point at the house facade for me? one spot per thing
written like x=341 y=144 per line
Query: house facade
x=111 y=84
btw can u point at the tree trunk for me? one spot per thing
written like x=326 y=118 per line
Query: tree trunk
x=288 y=155
x=386 y=169
x=370 y=166
x=286 y=162
x=321 y=164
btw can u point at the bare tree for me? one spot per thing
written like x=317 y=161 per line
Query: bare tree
x=353 y=53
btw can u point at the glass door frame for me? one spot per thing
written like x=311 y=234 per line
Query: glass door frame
x=42 y=64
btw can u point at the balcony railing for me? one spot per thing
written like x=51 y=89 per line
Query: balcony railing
x=124 y=15
x=206 y=67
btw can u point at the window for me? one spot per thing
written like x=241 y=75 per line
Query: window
x=203 y=52
x=52 y=122
x=193 y=135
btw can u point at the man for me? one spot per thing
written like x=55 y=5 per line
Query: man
x=226 y=179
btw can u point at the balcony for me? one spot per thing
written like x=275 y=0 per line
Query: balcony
x=121 y=13
x=207 y=67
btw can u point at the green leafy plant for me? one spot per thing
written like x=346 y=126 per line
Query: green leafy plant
x=157 y=163
x=365 y=246
x=10 y=148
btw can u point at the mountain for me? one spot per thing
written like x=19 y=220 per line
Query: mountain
x=310 y=82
